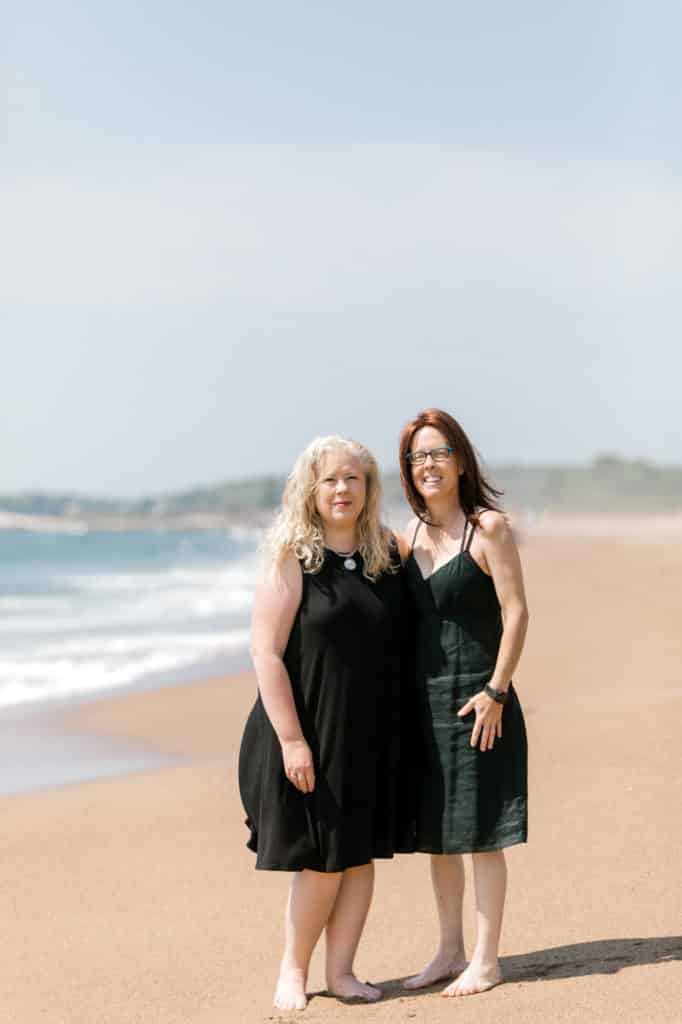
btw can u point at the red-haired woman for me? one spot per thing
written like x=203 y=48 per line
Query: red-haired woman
x=465 y=576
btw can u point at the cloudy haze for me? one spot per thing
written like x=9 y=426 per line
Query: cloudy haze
x=230 y=230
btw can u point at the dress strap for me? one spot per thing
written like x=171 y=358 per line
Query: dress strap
x=466 y=541
x=414 y=537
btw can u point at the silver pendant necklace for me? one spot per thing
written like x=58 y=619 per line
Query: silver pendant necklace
x=348 y=560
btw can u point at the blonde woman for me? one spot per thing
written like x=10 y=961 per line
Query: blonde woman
x=318 y=764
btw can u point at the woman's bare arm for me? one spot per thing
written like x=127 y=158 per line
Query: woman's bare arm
x=497 y=549
x=277 y=599
x=503 y=562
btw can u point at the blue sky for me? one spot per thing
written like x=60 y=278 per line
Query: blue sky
x=234 y=227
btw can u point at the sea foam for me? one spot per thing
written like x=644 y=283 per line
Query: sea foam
x=99 y=611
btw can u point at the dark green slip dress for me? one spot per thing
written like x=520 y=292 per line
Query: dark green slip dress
x=468 y=800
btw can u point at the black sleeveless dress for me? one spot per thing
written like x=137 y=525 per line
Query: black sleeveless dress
x=468 y=800
x=344 y=659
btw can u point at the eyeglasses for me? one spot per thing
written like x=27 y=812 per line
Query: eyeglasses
x=437 y=454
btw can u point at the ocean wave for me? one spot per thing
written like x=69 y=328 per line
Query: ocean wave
x=172 y=610
x=120 y=600
x=241 y=574
x=35 y=603
x=121 y=644
x=86 y=668
x=83 y=614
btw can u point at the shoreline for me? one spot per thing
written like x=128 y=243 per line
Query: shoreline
x=43 y=747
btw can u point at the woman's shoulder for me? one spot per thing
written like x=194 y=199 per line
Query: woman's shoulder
x=403 y=538
x=493 y=525
x=285 y=572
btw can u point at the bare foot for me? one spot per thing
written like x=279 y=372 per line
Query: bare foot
x=290 y=991
x=443 y=965
x=476 y=978
x=347 y=986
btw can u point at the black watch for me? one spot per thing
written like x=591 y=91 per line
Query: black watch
x=497 y=695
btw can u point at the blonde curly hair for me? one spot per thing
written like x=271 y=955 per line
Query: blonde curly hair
x=297 y=528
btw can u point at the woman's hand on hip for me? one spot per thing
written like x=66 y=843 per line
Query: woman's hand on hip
x=488 y=724
x=298 y=765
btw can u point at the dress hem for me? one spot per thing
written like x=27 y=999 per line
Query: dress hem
x=473 y=848
x=324 y=870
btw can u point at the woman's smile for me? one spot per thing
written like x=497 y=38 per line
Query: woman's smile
x=434 y=478
x=341 y=488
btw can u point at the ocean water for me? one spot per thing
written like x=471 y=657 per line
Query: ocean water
x=101 y=610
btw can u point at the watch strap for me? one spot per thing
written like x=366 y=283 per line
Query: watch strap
x=500 y=696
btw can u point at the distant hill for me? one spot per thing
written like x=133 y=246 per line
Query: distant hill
x=608 y=485
x=233 y=501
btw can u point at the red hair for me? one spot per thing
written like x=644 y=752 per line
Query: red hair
x=475 y=492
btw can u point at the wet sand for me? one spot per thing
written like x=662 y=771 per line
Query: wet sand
x=134 y=898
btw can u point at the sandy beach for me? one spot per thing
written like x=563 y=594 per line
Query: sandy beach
x=133 y=899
